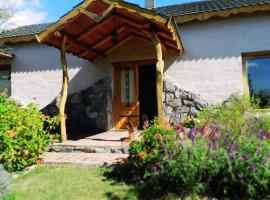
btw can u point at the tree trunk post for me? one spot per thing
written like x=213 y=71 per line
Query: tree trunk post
x=159 y=75
x=64 y=92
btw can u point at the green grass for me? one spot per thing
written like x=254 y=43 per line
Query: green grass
x=68 y=183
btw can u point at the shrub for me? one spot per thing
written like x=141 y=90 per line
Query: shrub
x=222 y=158
x=4 y=181
x=24 y=134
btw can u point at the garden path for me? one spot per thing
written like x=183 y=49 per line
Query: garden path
x=102 y=149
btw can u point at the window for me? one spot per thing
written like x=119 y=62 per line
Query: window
x=127 y=86
x=5 y=85
x=257 y=72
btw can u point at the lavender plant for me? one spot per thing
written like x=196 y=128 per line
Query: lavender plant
x=4 y=181
x=206 y=161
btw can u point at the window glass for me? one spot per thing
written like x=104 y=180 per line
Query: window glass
x=127 y=86
x=258 y=74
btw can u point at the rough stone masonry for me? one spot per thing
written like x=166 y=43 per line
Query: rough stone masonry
x=178 y=103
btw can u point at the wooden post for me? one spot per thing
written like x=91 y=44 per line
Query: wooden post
x=160 y=69
x=64 y=92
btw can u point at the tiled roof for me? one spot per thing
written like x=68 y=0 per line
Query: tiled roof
x=206 y=6
x=24 y=30
x=173 y=10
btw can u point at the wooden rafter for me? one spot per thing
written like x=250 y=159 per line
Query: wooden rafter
x=92 y=29
x=122 y=42
x=83 y=45
x=106 y=37
x=124 y=18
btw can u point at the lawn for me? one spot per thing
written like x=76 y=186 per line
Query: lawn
x=64 y=183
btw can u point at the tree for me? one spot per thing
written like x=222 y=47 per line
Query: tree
x=5 y=15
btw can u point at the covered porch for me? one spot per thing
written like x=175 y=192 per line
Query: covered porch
x=95 y=29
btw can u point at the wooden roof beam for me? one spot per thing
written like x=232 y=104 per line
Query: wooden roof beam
x=106 y=37
x=85 y=46
x=122 y=42
x=92 y=29
x=94 y=16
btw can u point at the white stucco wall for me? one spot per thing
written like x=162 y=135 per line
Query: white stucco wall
x=212 y=64
x=36 y=73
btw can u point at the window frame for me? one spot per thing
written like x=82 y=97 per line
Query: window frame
x=248 y=56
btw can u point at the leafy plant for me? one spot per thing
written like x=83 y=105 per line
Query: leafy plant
x=24 y=134
x=226 y=155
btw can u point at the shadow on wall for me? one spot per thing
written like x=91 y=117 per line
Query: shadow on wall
x=88 y=111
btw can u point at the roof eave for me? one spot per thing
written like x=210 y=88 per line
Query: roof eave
x=17 y=39
x=202 y=16
x=149 y=14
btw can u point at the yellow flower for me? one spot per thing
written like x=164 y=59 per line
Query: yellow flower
x=142 y=154
x=11 y=133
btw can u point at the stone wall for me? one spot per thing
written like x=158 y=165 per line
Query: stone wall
x=178 y=103
x=88 y=111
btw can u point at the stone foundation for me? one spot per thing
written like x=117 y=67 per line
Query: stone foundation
x=179 y=104
x=88 y=111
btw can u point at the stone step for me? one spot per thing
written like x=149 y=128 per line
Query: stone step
x=83 y=159
x=64 y=148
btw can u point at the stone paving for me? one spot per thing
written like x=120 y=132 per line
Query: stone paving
x=102 y=149
x=83 y=159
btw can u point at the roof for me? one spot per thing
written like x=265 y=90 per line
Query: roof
x=24 y=30
x=97 y=27
x=206 y=6
x=224 y=8
x=200 y=10
x=26 y=33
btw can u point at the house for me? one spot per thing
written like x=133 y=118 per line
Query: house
x=210 y=50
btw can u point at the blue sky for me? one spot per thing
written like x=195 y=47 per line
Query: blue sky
x=60 y=7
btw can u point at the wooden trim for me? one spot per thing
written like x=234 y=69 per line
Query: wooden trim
x=132 y=8
x=248 y=56
x=16 y=39
x=256 y=54
x=172 y=25
x=6 y=55
x=221 y=13
x=135 y=62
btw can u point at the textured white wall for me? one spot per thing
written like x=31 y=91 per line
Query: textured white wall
x=212 y=65
x=36 y=73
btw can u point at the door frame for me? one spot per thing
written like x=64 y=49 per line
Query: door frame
x=116 y=67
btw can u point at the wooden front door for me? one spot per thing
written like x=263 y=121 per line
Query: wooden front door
x=126 y=103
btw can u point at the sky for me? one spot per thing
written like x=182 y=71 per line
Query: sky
x=27 y=12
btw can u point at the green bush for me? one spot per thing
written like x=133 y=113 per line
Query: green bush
x=222 y=157
x=24 y=134
x=237 y=115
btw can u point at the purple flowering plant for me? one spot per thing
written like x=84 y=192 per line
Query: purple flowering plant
x=230 y=160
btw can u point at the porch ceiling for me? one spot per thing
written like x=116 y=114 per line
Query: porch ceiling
x=95 y=28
